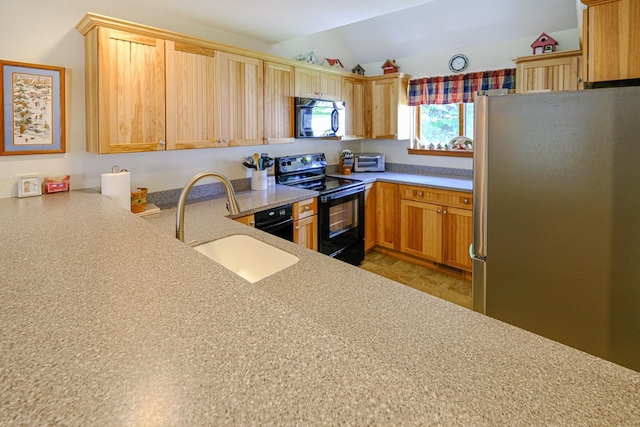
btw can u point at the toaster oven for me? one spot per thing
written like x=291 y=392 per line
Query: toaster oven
x=368 y=162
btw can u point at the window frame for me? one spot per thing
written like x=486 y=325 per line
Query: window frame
x=451 y=153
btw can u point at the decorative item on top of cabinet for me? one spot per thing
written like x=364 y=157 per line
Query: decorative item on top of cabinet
x=305 y=223
x=358 y=70
x=544 y=44
x=318 y=84
x=390 y=66
x=554 y=71
x=391 y=115
x=610 y=40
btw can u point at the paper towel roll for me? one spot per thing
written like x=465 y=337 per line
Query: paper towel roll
x=117 y=186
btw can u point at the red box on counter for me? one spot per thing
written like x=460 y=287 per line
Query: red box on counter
x=56 y=184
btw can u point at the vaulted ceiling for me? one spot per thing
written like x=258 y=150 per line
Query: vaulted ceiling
x=378 y=29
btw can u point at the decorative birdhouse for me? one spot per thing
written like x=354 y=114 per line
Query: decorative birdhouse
x=309 y=58
x=332 y=63
x=390 y=66
x=358 y=70
x=544 y=44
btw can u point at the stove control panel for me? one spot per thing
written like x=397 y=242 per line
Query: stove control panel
x=300 y=163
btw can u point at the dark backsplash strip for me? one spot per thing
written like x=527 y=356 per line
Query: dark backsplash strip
x=170 y=197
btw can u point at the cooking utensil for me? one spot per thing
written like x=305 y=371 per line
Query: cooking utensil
x=249 y=165
x=256 y=160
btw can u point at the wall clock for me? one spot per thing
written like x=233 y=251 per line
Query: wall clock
x=458 y=63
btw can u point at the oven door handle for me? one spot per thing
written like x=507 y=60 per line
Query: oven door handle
x=270 y=228
x=339 y=194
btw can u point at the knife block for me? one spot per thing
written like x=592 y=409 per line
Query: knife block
x=345 y=166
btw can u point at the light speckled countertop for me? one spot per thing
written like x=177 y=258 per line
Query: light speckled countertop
x=109 y=320
x=445 y=183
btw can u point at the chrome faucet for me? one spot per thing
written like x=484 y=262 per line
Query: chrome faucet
x=232 y=202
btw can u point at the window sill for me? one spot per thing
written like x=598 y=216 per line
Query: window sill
x=450 y=153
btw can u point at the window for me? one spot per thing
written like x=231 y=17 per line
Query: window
x=439 y=123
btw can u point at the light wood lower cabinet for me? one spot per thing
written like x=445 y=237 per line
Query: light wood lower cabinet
x=369 y=216
x=305 y=223
x=387 y=215
x=247 y=220
x=436 y=225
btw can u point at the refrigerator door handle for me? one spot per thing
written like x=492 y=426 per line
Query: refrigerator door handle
x=481 y=129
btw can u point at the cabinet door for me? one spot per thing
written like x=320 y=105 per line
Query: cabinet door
x=239 y=86
x=191 y=108
x=316 y=84
x=305 y=232
x=387 y=215
x=131 y=92
x=391 y=116
x=278 y=103
x=611 y=45
x=457 y=237
x=549 y=72
x=354 y=96
x=421 y=230
x=247 y=220
x=330 y=87
x=369 y=217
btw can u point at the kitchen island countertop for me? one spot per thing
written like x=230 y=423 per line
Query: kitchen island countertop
x=107 y=319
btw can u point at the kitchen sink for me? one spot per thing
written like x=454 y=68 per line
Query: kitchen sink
x=247 y=257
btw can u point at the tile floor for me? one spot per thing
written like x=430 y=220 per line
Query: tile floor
x=450 y=288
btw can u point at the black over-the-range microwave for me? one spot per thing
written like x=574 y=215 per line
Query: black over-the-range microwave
x=318 y=118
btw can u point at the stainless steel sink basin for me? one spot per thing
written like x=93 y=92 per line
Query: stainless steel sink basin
x=248 y=257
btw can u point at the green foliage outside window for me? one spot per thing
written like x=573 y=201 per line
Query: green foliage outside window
x=441 y=123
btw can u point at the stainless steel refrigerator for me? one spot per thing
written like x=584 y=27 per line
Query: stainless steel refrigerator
x=556 y=237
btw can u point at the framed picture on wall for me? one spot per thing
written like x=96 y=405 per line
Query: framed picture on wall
x=32 y=109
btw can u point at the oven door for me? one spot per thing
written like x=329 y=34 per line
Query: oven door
x=341 y=225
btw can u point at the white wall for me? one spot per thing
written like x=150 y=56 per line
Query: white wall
x=481 y=58
x=43 y=32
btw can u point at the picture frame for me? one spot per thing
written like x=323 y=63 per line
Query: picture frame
x=32 y=109
x=29 y=186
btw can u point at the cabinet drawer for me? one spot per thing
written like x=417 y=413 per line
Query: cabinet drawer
x=441 y=197
x=304 y=209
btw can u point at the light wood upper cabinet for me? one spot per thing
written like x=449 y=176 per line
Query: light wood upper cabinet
x=239 y=99
x=610 y=40
x=125 y=91
x=317 y=84
x=555 y=71
x=354 y=94
x=391 y=116
x=279 y=86
x=191 y=107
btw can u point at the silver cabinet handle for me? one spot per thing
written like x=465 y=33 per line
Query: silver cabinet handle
x=226 y=140
x=267 y=139
x=466 y=201
x=420 y=193
x=444 y=212
x=162 y=142
x=439 y=211
x=306 y=208
x=297 y=227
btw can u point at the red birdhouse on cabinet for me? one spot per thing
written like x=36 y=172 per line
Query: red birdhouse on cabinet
x=544 y=44
x=390 y=66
